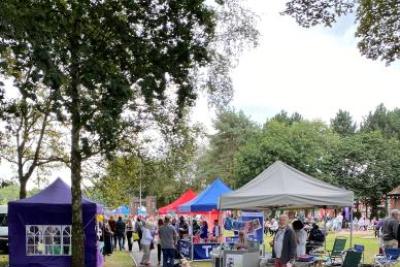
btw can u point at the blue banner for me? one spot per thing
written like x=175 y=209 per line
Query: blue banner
x=203 y=251
x=256 y=220
x=185 y=248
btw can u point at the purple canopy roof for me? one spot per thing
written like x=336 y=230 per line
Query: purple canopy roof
x=56 y=193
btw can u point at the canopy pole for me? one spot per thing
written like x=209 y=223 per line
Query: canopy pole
x=351 y=227
x=325 y=229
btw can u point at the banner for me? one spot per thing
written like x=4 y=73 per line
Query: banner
x=203 y=251
x=251 y=223
x=254 y=222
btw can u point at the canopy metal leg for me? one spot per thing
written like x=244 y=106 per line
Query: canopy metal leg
x=351 y=227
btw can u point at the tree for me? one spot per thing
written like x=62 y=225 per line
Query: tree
x=377 y=29
x=384 y=120
x=284 y=117
x=343 y=123
x=233 y=130
x=101 y=59
x=305 y=145
x=368 y=164
x=32 y=138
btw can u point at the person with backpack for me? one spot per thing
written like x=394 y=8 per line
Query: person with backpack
x=138 y=231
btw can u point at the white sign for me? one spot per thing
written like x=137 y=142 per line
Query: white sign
x=234 y=260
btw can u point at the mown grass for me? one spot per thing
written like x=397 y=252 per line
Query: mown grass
x=119 y=259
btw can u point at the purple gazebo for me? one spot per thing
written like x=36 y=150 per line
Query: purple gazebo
x=40 y=229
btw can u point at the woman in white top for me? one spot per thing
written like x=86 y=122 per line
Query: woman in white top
x=147 y=239
x=301 y=237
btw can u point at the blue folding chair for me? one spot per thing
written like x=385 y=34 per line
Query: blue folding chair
x=390 y=258
x=392 y=253
x=361 y=249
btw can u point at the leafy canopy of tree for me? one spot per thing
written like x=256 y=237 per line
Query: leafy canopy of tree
x=343 y=123
x=232 y=131
x=304 y=145
x=384 y=120
x=377 y=22
x=32 y=138
x=368 y=164
x=102 y=61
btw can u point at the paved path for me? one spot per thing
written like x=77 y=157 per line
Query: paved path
x=137 y=256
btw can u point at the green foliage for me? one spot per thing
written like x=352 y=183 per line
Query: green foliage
x=284 y=117
x=384 y=120
x=304 y=145
x=368 y=164
x=9 y=193
x=376 y=21
x=233 y=130
x=343 y=123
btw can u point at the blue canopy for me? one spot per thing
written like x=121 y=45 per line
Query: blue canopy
x=208 y=199
x=121 y=210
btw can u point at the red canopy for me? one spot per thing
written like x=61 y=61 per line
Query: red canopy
x=173 y=207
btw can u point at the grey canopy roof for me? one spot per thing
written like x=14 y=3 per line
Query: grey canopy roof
x=281 y=185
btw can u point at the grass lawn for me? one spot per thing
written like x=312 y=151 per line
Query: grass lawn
x=3 y=260
x=118 y=259
x=367 y=239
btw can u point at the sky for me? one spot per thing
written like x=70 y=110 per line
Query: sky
x=314 y=71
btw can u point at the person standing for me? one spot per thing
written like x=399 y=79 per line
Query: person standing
x=160 y=223
x=389 y=230
x=204 y=231
x=301 y=237
x=216 y=231
x=138 y=230
x=147 y=239
x=168 y=238
x=129 y=234
x=183 y=227
x=112 y=224
x=107 y=237
x=284 y=244
x=120 y=232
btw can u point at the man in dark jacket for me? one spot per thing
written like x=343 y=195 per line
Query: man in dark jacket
x=120 y=232
x=389 y=230
x=284 y=244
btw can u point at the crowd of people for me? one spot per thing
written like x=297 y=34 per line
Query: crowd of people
x=290 y=240
x=162 y=236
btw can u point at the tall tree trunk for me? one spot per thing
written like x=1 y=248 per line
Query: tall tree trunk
x=22 y=188
x=78 y=246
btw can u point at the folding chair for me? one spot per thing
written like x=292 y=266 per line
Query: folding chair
x=390 y=259
x=352 y=259
x=338 y=248
x=361 y=249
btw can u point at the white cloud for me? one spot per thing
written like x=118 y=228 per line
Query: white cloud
x=313 y=71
